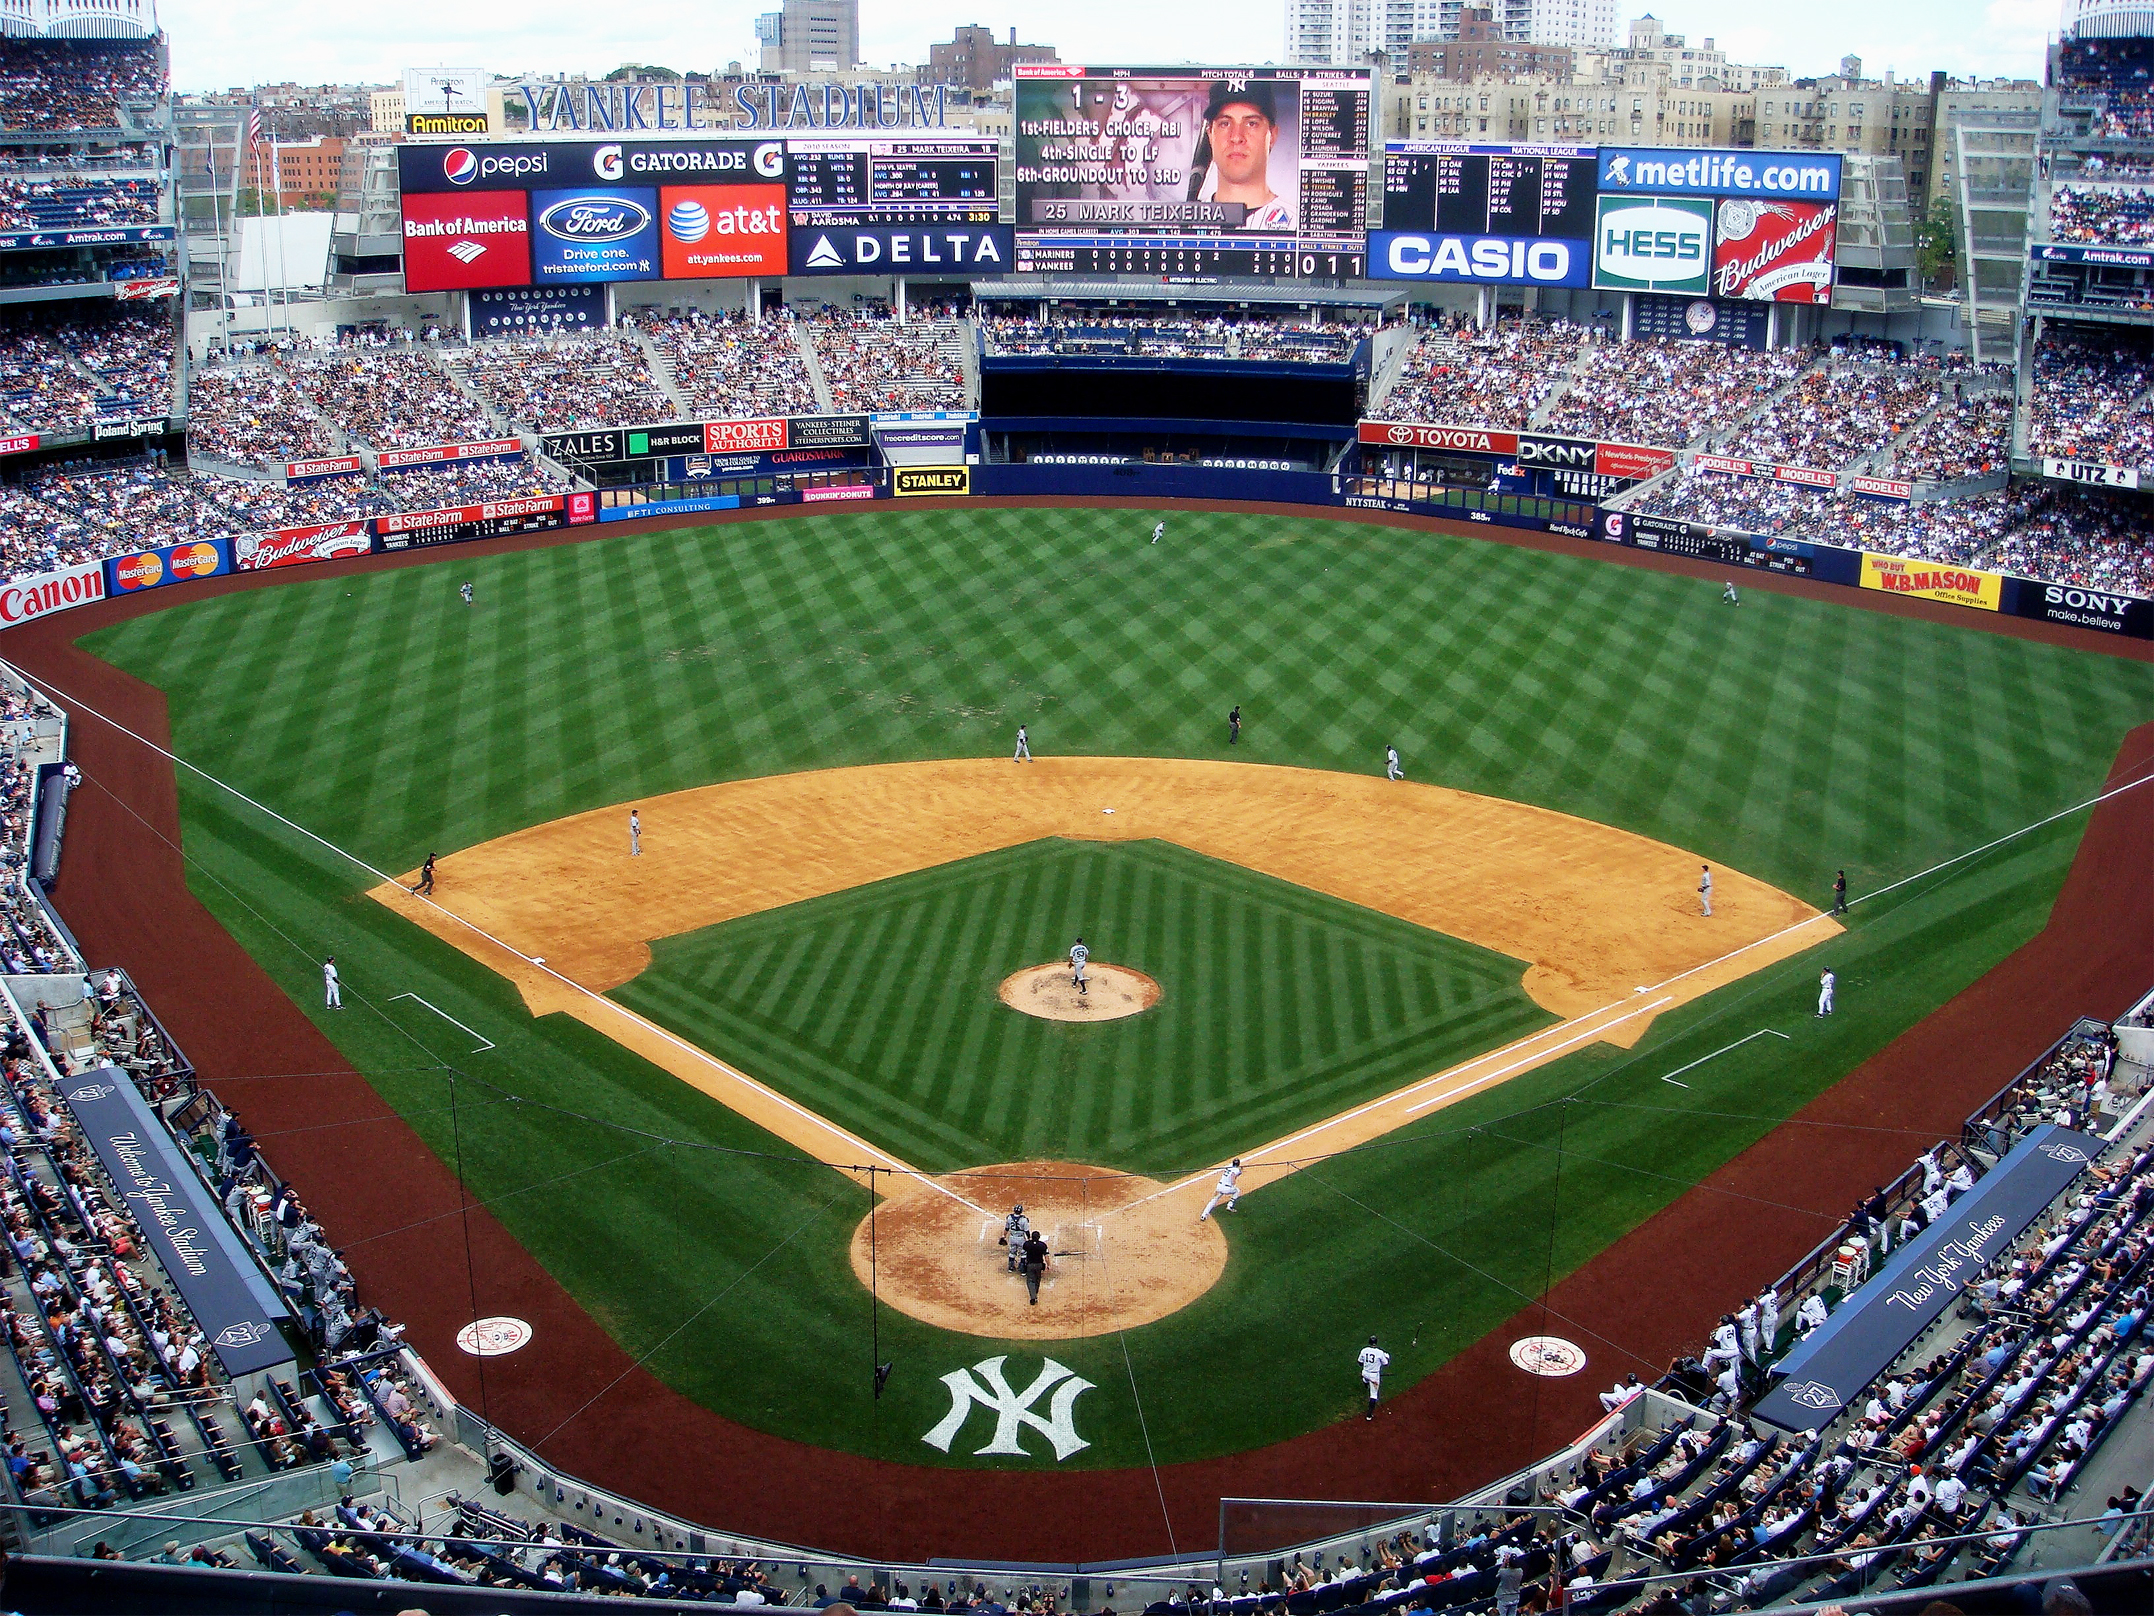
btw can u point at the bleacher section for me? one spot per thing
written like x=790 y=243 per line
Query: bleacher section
x=874 y=364
x=65 y=86
x=731 y=368
x=2090 y=398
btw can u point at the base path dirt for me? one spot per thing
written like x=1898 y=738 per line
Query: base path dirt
x=1119 y=1255
x=1051 y=992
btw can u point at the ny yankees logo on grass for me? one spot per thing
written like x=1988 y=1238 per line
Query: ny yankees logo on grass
x=1010 y=1409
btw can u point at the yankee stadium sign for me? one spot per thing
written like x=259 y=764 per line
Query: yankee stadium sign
x=743 y=106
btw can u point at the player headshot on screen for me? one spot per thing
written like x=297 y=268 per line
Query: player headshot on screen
x=1241 y=126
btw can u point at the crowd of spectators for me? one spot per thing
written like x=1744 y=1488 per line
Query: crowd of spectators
x=1970 y=436
x=72 y=202
x=59 y=372
x=67 y=516
x=1249 y=335
x=1495 y=378
x=726 y=366
x=63 y=85
x=2087 y=402
x=1668 y=393
x=2074 y=537
x=570 y=382
x=1747 y=504
x=871 y=363
x=1836 y=413
x=253 y=415
x=2109 y=213
x=389 y=397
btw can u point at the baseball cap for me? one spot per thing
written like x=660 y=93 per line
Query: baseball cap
x=1256 y=93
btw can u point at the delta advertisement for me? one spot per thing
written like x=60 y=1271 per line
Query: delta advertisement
x=1933 y=580
x=171 y=564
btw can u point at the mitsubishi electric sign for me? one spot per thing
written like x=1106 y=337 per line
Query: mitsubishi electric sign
x=1671 y=171
x=1653 y=244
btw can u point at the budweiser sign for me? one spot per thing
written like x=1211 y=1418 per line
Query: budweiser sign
x=290 y=546
x=1416 y=435
x=443 y=453
x=50 y=592
x=724 y=437
x=1778 y=252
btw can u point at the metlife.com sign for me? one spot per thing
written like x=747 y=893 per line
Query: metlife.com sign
x=1671 y=171
x=1404 y=255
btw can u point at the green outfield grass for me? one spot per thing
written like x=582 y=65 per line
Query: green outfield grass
x=1279 y=1006
x=1785 y=737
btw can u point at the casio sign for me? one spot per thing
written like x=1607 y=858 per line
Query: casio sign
x=1652 y=243
x=594 y=219
x=1506 y=260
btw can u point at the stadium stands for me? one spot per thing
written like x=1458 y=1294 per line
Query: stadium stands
x=58 y=373
x=252 y=414
x=2089 y=400
x=1970 y=436
x=1836 y=413
x=1717 y=499
x=395 y=398
x=1251 y=335
x=1494 y=378
x=560 y=384
x=873 y=363
x=2111 y=214
x=64 y=86
x=1667 y=393
x=729 y=368
x=66 y=202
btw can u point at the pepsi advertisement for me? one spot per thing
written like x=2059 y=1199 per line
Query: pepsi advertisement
x=594 y=235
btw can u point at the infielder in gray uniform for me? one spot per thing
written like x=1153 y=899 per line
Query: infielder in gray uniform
x=1705 y=888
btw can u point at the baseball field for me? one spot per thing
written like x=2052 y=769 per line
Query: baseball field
x=1441 y=1019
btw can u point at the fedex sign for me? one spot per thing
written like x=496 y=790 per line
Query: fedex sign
x=1482 y=260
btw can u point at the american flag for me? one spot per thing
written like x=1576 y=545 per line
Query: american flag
x=254 y=126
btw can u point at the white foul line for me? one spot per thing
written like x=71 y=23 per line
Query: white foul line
x=1702 y=1059
x=1540 y=1055
x=485 y=1043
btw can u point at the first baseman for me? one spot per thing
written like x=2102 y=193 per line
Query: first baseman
x=1228 y=1189
x=1826 y=982
x=1372 y=1359
x=635 y=833
x=1705 y=888
x=1078 y=955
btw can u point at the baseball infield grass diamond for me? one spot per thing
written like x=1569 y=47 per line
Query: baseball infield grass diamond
x=1330 y=946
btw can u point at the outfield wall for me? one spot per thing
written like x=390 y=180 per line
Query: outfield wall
x=2069 y=605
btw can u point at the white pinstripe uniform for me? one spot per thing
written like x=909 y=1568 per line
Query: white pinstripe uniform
x=1228 y=1189
x=1078 y=955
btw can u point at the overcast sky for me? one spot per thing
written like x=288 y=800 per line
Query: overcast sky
x=219 y=43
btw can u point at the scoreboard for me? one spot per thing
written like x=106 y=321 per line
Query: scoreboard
x=846 y=181
x=1468 y=190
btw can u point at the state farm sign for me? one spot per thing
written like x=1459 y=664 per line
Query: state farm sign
x=50 y=592
x=725 y=437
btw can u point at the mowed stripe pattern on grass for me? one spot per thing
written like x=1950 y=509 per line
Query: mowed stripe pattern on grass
x=1786 y=736
x=1280 y=1006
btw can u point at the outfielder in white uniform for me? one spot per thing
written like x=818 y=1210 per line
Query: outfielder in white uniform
x=1705 y=888
x=1014 y=1229
x=1078 y=955
x=1826 y=982
x=1228 y=1189
x=1373 y=1358
x=1392 y=771
x=1023 y=754
x=635 y=833
x=1158 y=531
x=332 y=987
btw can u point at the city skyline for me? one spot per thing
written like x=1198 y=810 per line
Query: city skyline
x=237 y=42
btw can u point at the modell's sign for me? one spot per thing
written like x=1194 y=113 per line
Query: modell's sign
x=51 y=592
x=1808 y=476
x=1775 y=252
x=1462 y=439
x=21 y=443
x=731 y=437
x=290 y=546
x=1884 y=488
x=443 y=453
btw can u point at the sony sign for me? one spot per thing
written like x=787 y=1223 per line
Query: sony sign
x=1480 y=260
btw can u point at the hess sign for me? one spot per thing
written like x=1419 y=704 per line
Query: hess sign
x=1653 y=244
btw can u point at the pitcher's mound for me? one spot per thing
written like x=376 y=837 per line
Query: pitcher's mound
x=1121 y=1253
x=1046 y=991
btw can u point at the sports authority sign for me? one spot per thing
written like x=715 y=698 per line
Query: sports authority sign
x=51 y=592
x=1931 y=580
x=1774 y=252
x=291 y=546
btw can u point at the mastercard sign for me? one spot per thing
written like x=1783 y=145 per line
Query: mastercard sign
x=175 y=563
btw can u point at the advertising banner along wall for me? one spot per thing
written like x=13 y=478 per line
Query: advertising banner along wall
x=1933 y=580
x=171 y=564
x=291 y=546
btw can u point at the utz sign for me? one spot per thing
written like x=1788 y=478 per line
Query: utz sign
x=1653 y=244
x=1775 y=252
